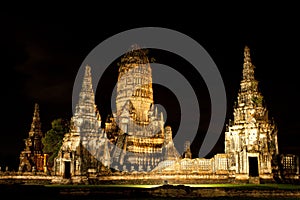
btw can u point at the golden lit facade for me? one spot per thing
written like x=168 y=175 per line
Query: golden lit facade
x=251 y=138
x=140 y=139
x=32 y=157
x=136 y=146
x=251 y=146
x=85 y=148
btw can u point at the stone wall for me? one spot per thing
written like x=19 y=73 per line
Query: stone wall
x=25 y=178
x=122 y=178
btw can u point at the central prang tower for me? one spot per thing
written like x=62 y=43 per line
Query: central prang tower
x=135 y=85
x=137 y=127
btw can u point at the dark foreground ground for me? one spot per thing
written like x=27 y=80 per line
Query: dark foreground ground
x=45 y=192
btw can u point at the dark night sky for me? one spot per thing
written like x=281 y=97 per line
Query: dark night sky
x=42 y=51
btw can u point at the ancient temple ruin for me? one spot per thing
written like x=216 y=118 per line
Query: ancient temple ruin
x=32 y=157
x=136 y=141
x=141 y=138
x=251 y=137
x=251 y=146
x=85 y=148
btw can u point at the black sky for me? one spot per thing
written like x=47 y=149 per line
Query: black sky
x=42 y=51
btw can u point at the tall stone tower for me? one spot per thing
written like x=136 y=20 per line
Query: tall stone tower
x=31 y=158
x=135 y=84
x=251 y=138
x=85 y=147
x=140 y=137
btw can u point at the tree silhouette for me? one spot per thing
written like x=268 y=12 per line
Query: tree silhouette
x=54 y=137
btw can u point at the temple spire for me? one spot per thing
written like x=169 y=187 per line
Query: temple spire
x=247 y=58
x=248 y=69
x=31 y=157
x=35 y=129
x=251 y=132
x=249 y=85
x=87 y=96
x=84 y=144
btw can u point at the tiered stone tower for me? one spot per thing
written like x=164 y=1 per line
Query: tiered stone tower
x=31 y=158
x=140 y=137
x=135 y=85
x=251 y=138
x=85 y=147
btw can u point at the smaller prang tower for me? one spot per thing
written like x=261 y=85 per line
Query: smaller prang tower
x=251 y=138
x=84 y=148
x=31 y=158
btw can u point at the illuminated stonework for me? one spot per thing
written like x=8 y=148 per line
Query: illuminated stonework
x=32 y=158
x=85 y=147
x=251 y=138
x=251 y=147
x=141 y=135
x=135 y=144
